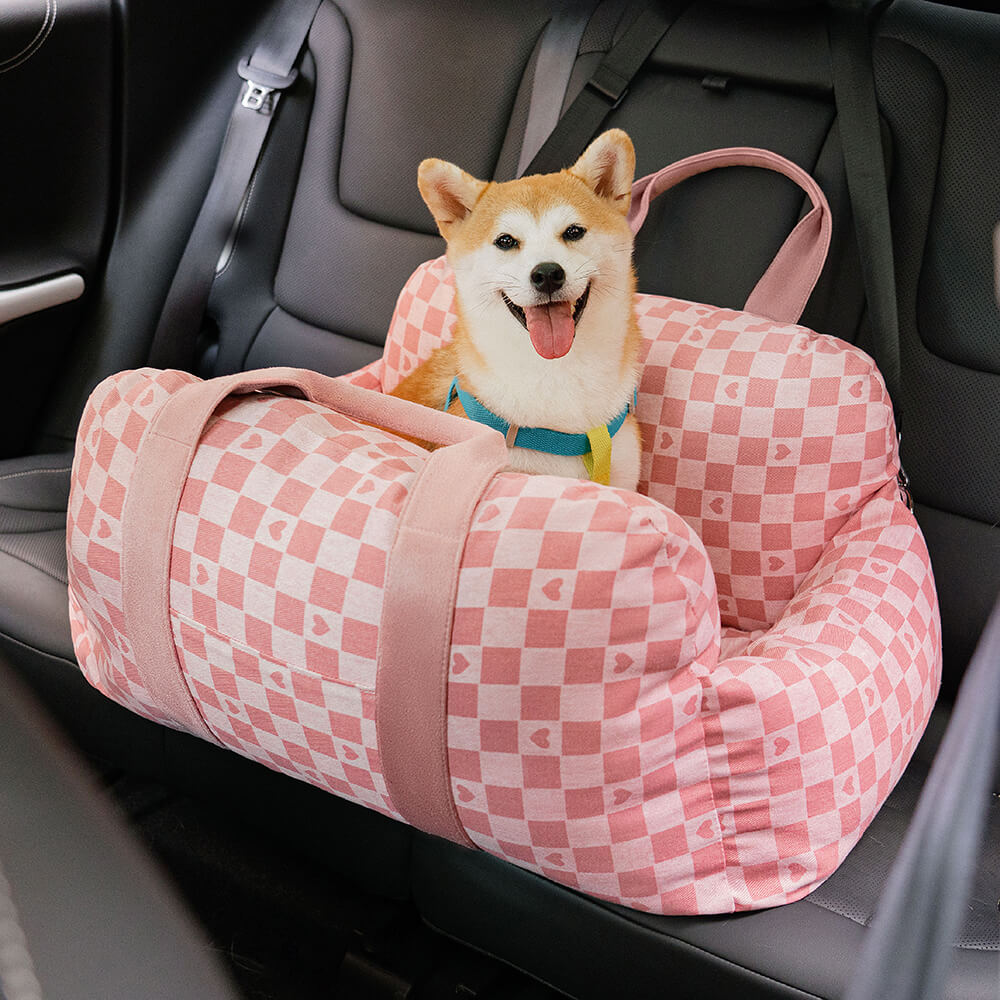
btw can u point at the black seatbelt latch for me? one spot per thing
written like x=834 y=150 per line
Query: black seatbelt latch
x=261 y=85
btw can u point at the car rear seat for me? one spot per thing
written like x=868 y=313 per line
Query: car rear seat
x=335 y=225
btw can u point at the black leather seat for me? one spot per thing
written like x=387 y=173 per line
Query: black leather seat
x=33 y=496
x=335 y=225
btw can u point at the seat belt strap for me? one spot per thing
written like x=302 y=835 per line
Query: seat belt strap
x=266 y=75
x=557 y=52
x=864 y=166
x=604 y=91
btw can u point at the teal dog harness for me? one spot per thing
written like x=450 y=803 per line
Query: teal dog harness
x=594 y=447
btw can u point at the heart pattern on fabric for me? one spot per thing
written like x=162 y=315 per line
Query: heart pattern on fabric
x=540 y=737
x=521 y=628
x=622 y=662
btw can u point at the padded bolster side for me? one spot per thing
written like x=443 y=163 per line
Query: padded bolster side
x=818 y=716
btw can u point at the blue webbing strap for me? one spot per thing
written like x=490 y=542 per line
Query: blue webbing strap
x=535 y=438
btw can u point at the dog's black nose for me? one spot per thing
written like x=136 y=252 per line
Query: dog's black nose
x=548 y=277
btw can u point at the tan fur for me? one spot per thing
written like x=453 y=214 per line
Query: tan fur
x=590 y=384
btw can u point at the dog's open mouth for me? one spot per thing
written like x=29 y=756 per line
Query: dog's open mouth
x=552 y=326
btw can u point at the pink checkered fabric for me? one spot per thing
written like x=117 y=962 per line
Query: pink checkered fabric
x=605 y=728
x=696 y=784
x=766 y=438
x=117 y=414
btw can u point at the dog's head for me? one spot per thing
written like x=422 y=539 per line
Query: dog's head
x=540 y=254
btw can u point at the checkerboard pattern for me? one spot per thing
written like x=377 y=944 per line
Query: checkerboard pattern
x=422 y=321
x=766 y=438
x=118 y=412
x=276 y=573
x=692 y=701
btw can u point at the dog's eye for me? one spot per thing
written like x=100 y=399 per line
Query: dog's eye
x=506 y=242
x=573 y=233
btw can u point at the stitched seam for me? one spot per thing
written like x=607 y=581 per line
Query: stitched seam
x=29 y=531
x=41 y=37
x=7 y=637
x=31 y=472
x=63 y=580
x=237 y=231
x=61 y=511
x=228 y=640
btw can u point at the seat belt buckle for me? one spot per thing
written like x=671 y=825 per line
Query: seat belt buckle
x=261 y=85
x=256 y=96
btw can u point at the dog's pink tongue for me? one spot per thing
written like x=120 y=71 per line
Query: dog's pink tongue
x=551 y=328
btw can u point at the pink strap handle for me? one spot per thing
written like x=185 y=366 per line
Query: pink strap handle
x=421 y=585
x=421 y=578
x=782 y=293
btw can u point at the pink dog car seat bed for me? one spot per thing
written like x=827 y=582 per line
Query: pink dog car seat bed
x=690 y=701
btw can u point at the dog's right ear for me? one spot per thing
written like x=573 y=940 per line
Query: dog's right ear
x=450 y=193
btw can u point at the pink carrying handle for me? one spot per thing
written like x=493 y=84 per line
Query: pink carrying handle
x=783 y=291
x=421 y=577
x=365 y=405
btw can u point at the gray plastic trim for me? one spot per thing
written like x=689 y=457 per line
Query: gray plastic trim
x=28 y=299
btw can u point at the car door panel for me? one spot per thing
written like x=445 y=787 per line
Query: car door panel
x=56 y=188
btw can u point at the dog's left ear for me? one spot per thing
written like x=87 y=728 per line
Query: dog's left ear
x=607 y=167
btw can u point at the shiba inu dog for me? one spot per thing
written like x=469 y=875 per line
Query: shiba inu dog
x=546 y=344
